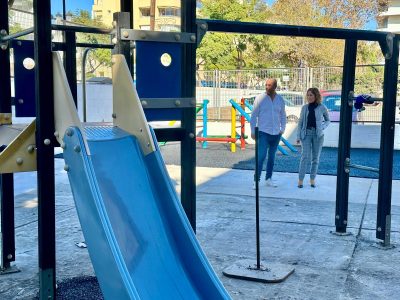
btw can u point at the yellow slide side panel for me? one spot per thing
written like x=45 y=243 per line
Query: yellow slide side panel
x=20 y=154
x=128 y=112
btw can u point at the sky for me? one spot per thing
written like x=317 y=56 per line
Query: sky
x=73 y=5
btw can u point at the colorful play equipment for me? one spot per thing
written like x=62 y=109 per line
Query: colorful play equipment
x=232 y=138
x=243 y=112
x=243 y=116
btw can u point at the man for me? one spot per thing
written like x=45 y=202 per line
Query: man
x=270 y=117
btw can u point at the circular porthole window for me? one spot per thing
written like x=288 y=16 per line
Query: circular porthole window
x=28 y=63
x=166 y=60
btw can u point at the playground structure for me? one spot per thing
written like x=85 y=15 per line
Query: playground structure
x=179 y=105
x=236 y=110
x=232 y=138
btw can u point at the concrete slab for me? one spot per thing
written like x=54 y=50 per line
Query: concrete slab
x=295 y=229
x=373 y=273
x=373 y=194
x=240 y=182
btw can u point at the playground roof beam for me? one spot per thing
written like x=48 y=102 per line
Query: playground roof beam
x=294 y=30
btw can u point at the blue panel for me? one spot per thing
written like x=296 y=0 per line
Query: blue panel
x=24 y=80
x=139 y=239
x=153 y=80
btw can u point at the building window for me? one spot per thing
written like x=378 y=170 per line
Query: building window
x=168 y=27
x=144 y=11
x=169 y=12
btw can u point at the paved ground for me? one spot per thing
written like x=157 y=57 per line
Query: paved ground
x=219 y=155
x=295 y=227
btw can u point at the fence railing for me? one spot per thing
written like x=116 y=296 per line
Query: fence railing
x=219 y=86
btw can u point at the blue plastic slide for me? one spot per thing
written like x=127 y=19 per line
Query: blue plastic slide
x=139 y=239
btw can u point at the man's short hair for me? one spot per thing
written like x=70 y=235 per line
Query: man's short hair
x=273 y=80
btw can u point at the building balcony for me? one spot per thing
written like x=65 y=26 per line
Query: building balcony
x=392 y=11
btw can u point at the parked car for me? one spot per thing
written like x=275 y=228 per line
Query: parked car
x=293 y=103
x=332 y=100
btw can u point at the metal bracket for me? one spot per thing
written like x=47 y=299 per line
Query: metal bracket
x=350 y=100
x=20 y=153
x=386 y=241
x=5 y=118
x=387 y=46
x=348 y=165
x=127 y=34
x=202 y=28
x=3 y=45
x=168 y=102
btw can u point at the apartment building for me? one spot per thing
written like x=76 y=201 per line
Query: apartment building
x=104 y=9
x=389 y=17
x=167 y=13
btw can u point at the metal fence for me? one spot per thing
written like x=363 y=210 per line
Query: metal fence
x=219 y=86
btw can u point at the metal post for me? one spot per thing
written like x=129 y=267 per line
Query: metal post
x=188 y=145
x=242 y=126
x=6 y=180
x=123 y=20
x=45 y=152
x=64 y=10
x=257 y=182
x=233 y=128
x=84 y=56
x=205 y=121
x=70 y=62
x=342 y=184
x=387 y=143
x=127 y=6
x=7 y=222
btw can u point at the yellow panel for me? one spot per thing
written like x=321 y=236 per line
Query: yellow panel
x=20 y=154
x=5 y=118
x=128 y=112
x=65 y=114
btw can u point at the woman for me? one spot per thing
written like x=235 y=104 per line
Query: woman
x=313 y=120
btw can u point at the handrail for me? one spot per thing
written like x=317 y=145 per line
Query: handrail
x=6 y=38
x=248 y=105
x=240 y=109
x=83 y=29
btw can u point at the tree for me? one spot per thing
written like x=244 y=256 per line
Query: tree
x=237 y=51
x=97 y=58
x=225 y=51
x=13 y=26
x=348 y=13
